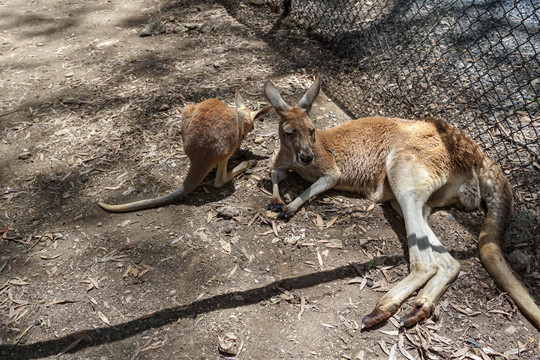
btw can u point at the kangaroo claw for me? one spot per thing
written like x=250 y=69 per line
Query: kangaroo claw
x=280 y=210
x=375 y=317
x=419 y=313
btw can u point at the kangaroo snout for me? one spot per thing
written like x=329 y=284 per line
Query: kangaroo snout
x=305 y=158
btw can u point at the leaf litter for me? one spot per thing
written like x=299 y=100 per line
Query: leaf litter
x=99 y=129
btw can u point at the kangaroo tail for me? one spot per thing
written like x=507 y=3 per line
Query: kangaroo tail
x=192 y=180
x=497 y=194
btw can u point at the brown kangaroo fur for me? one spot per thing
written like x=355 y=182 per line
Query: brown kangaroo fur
x=415 y=165
x=211 y=133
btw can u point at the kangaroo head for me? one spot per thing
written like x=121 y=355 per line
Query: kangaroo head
x=248 y=117
x=296 y=130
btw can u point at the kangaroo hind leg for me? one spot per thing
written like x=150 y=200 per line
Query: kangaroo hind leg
x=412 y=185
x=223 y=177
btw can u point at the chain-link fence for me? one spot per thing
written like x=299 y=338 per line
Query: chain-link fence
x=474 y=63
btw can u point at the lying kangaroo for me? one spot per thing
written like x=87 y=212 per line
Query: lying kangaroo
x=416 y=165
x=211 y=133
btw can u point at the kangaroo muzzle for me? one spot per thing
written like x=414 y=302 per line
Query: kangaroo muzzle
x=305 y=158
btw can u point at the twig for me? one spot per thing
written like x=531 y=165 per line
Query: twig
x=139 y=350
x=10 y=112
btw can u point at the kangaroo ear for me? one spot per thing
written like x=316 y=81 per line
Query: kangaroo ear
x=272 y=94
x=259 y=113
x=239 y=101
x=310 y=95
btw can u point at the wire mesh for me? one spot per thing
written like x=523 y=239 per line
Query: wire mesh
x=472 y=62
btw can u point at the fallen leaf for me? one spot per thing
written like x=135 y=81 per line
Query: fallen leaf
x=275 y=228
x=390 y=332
x=320 y=222
x=363 y=283
x=20 y=336
x=302 y=306
x=226 y=246
x=18 y=282
x=150 y=314
x=94 y=282
x=51 y=257
x=335 y=244
x=103 y=318
x=69 y=347
x=319 y=257
x=402 y=348
x=460 y=352
x=382 y=344
x=331 y=222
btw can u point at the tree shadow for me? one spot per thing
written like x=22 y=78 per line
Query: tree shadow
x=96 y=336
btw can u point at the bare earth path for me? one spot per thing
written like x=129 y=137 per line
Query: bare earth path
x=90 y=111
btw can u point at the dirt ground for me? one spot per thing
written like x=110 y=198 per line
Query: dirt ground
x=90 y=111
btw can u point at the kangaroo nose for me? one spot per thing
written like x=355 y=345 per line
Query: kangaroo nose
x=306 y=158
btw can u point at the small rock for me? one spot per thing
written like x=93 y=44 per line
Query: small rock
x=61 y=132
x=58 y=165
x=153 y=28
x=69 y=100
x=292 y=240
x=201 y=236
x=510 y=330
x=228 y=344
x=227 y=212
x=258 y=140
x=208 y=27
x=218 y=63
x=181 y=29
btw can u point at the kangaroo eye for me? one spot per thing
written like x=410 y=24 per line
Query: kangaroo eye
x=289 y=133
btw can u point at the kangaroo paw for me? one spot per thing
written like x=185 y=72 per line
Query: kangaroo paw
x=275 y=207
x=284 y=214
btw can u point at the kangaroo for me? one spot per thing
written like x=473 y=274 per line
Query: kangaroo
x=414 y=165
x=211 y=133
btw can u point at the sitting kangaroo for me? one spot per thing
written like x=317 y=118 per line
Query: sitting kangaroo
x=415 y=165
x=211 y=133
